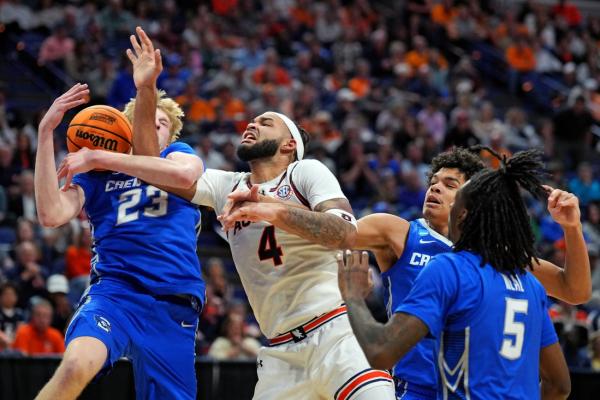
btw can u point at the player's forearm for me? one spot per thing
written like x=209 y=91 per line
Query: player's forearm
x=145 y=140
x=371 y=335
x=267 y=199
x=577 y=272
x=48 y=196
x=321 y=228
x=154 y=170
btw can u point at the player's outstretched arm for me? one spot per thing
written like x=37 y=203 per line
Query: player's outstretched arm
x=147 y=66
x=573 y=283
x=177 y=171
x=554 y=373
x=384 y=235
x=383 y=345
x=56 y=207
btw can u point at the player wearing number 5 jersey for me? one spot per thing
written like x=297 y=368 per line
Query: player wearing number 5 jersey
x=486 y=311
x=285 y=260
x=146 y=286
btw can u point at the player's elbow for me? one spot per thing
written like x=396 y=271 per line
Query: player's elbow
x=48 y=219
x=379 y=359
x=185 y=178
x=578 y=295
x=557 y=388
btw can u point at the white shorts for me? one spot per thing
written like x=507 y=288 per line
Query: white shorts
x=327 y=364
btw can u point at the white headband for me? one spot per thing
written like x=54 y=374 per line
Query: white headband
x=295 y=134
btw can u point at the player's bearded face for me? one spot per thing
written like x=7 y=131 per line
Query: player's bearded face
x=263 y=149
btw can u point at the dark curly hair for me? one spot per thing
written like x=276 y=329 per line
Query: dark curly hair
x=497 y=226
x=466 y=161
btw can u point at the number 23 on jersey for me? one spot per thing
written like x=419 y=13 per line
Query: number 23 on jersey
x=129 y=201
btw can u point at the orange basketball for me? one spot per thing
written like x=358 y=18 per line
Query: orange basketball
x=100 y=127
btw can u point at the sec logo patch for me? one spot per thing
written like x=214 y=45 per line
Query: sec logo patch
x=284 y=192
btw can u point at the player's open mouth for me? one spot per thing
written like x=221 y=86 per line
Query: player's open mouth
x=248 y=137
x=431 y=200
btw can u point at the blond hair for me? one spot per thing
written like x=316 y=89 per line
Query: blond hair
x=168 y=106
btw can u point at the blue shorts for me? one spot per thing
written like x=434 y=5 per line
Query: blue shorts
x=157 y=333
x=409 y=391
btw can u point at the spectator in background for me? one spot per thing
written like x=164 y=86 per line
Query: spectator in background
x=210 y=157
x=100 y=79
x=115 y=21
x=174 y=78
x=584 y=186
x=58 y=49
x=58 y=289
x=23 y=157
x=461 y=134
x=234 y=344
x=37 y=337
x=77 y=262
x=123 y=88
x=216 y=278
x=196 y=109
x=28 y=274
x=572 y=134
x=520 y=135
x=521 y=60
x=486 y=122
x=567 y=11
x=22 y=203
x=10 y=315
x=496 y=143
x=433 y=120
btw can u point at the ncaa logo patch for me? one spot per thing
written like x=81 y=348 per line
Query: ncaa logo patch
x=102 y=323
x=284 y=192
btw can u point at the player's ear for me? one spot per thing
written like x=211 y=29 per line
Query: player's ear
x=288 y=146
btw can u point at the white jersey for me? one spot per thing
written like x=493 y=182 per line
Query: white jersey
x=288 y=280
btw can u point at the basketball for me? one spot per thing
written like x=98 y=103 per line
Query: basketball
x=100 y=127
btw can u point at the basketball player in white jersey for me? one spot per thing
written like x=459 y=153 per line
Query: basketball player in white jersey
x=284 y=255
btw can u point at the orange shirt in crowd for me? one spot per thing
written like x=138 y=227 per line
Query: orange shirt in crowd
x=442 y=15
x=77 y=261
x=196 y=110
x=360 y=86
x=31 y=342
x=522 y=59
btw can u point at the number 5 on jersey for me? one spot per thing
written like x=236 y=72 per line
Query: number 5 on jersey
x=268 y=248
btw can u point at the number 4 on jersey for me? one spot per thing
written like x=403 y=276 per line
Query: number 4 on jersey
x=267 y=248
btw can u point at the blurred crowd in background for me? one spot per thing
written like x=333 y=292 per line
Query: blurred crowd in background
x=382 y=86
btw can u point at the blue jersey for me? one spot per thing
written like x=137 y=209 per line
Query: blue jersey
x=142 y=236
x=489 y=327
x=418 y=366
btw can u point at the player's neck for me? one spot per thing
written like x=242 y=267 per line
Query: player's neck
x=441 y=228
x=266 y=170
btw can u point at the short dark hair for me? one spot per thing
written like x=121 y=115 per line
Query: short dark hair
x=465 y=160
x=497 y=226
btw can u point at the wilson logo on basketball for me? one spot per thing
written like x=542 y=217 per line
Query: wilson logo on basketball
x=97 y=141
x=107 y=119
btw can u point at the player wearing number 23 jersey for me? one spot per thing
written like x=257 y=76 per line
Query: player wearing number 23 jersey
x=146 y=285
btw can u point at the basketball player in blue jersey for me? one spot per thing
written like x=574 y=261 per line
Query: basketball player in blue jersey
x=146 y=285
x=487 y=313
x=402 y=248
